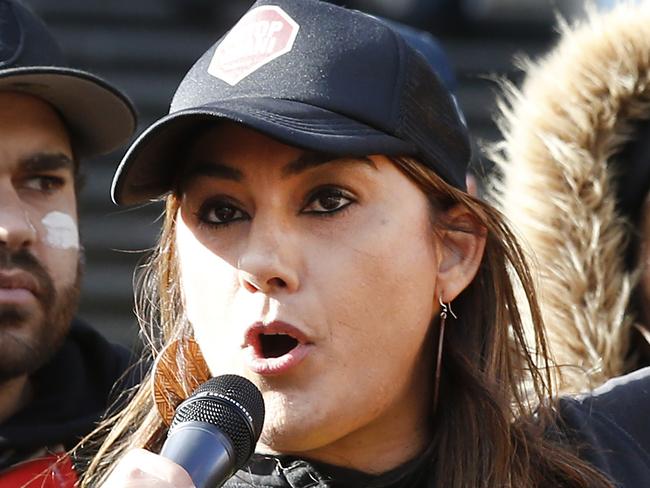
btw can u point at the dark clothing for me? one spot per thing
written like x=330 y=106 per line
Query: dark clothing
x=71 y=392
x=611 y=426
x=285 y=472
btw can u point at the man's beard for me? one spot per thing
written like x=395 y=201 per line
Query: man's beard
x=28 y=338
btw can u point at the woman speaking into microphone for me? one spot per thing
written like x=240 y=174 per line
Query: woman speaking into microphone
x=319 y=241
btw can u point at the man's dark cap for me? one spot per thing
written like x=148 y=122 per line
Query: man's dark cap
x=311 y=75
x=100 y=118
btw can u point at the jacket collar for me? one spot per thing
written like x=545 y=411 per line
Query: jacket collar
x=291 y=472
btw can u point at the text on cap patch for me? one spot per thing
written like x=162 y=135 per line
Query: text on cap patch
x=262 y=35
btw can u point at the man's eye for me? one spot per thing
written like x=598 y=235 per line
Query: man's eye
x=44 y=183
x=328 y=200
x=220 y=213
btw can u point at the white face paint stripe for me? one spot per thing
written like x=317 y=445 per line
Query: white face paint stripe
x=61 y=231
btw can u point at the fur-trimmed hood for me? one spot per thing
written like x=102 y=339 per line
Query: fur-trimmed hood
x=576 y=110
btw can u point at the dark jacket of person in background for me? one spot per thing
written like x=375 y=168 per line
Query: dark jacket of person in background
x=71 y=395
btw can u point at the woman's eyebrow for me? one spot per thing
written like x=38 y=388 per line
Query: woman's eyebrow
x=311 y=160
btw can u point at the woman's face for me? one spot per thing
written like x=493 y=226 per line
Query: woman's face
x=315 y=279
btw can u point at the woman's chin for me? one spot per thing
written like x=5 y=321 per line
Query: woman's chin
x=292 y=430
x=283 y=432
x=280 y=440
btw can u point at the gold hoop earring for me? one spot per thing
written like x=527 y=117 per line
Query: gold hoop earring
x=179 y=369
x=445 y=310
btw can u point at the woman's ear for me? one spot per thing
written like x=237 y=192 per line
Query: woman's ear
x=462 y=241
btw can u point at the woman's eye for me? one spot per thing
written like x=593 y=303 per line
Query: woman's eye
x=45 y=184
x=328 y=200
x=220 y=213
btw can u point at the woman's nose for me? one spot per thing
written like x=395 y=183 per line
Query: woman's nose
x=270 y=261
x=253 y=283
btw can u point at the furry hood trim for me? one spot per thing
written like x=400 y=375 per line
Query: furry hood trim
x=577 y=108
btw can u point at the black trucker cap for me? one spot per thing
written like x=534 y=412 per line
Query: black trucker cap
x=312 y=75
x=99 y=117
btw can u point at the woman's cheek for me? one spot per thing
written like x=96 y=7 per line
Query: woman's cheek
x=209 y=289
x=203 y=274
x=207 y=286
x=213 y=327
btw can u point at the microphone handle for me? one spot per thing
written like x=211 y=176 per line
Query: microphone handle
x=203 y=451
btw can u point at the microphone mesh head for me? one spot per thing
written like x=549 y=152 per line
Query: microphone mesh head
x=231 y=403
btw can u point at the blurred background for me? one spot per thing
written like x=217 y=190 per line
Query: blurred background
x=146 y=46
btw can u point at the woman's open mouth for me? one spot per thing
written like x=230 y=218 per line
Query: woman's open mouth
x=276 y=345
x=275 y=348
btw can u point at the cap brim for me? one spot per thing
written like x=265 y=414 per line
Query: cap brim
x=100 y=117
x=148 y=169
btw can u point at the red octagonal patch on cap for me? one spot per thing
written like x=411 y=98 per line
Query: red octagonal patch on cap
x=262 y=35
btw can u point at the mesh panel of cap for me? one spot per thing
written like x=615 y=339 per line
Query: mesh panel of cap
x=231 y=403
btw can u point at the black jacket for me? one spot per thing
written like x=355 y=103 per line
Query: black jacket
x=612 y=426
x=71 y=392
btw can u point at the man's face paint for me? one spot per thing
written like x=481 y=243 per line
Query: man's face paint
x=61 y=231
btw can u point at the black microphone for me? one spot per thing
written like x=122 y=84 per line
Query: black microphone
x=214 y=431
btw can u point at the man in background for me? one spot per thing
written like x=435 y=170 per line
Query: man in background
x=56 y=373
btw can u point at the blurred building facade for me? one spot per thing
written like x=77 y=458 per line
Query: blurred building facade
x=146 y=46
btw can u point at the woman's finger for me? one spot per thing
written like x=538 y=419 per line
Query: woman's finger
x=142 y=469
